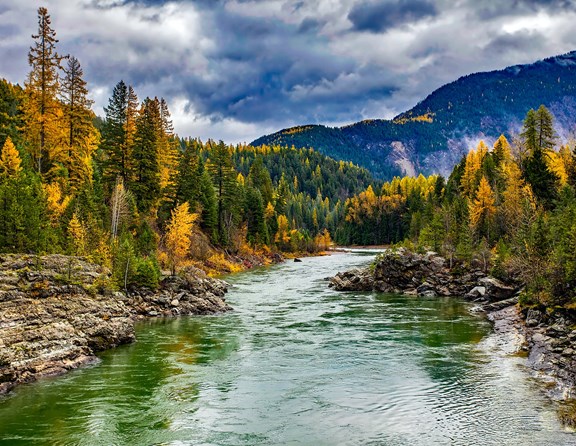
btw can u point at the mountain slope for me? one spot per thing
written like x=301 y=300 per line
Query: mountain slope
x=433 y=135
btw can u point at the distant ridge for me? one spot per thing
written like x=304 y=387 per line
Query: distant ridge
x=433 y=135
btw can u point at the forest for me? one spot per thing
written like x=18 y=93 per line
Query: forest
x=128 y=193
x=508 y=208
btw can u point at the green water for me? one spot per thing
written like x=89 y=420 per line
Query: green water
x=296 y=364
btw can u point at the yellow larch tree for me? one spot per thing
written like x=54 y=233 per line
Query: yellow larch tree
x=283 y=232
x=82 y=138
x=474 y=159
x=78 y=235
x=179 y=230
x=482 y=208
x=10 y=161
x=167 y=147
x=44 y=131
x=57 y=202
x=518 y=204
x=559 y=163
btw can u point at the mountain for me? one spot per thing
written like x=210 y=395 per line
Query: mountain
x=433 y=135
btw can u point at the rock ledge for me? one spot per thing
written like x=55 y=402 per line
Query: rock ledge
x=55 y=313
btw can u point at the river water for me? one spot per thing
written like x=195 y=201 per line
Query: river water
x=296 y=364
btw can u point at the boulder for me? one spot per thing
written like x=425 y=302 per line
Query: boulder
x=496 y=290
x=353 y=280
x=476 y=292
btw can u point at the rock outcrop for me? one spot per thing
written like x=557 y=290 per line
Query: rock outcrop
x=404 y=272
x=549 y=339
x=56 y=312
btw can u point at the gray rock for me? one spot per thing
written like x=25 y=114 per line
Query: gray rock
x=496 y=290
x=476 y=292
x=49 y=326
x=353 y=280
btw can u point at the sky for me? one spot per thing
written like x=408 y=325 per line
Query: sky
x=238 y=69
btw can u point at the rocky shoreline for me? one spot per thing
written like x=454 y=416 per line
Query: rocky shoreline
x=57 y=311
x=549 y=340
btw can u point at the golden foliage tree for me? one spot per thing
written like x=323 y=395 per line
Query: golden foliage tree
x=178 y=235
x=482 y=208
x=474 y=159
x=78 y=235
x=10 y=162
x=57 y=202
x=518 y=203
x=43 y=115
x=282 y=237
x=167 y=147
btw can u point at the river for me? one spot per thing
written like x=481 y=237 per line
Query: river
x=296 y=364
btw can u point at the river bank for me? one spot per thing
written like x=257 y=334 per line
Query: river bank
x=57 y=311
x=549 y=340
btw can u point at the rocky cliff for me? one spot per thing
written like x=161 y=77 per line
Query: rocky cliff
x=57 y=311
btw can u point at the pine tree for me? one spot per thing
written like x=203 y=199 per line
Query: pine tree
x=223 y=175
x=82 y=136
x=146 y=185
x=208 y=202
x=539 y=137
x=502 y=151
x=42 y=111
x=254 y=215
x=259 y=178
x=118 y=135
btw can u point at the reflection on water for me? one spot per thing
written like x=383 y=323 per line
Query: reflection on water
x=297 y=364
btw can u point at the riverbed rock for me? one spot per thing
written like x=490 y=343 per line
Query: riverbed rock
x=406 y=272
x=357 y=279
x=496 y=290
x=56 y=313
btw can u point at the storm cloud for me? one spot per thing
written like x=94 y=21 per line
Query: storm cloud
x=379 y=16
x=236 y=69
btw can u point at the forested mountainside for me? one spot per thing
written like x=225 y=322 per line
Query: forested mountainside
x=433 y=136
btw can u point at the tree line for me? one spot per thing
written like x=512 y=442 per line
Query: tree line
x=126 y=191
x=508 y=208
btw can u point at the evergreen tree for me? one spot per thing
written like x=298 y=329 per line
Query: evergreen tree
x=254 y=215
x=259 y=178
x=82 y=136
x=539 y=137
x=223 y=175
x=118 y=133
x=208 y=202
x=146 y=185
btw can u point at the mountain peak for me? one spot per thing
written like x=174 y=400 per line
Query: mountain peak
x=432 y=136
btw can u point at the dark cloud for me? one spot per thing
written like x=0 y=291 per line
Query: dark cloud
x=379 y=16
x=521 y=41
x=235 y=69
x=492 y=9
